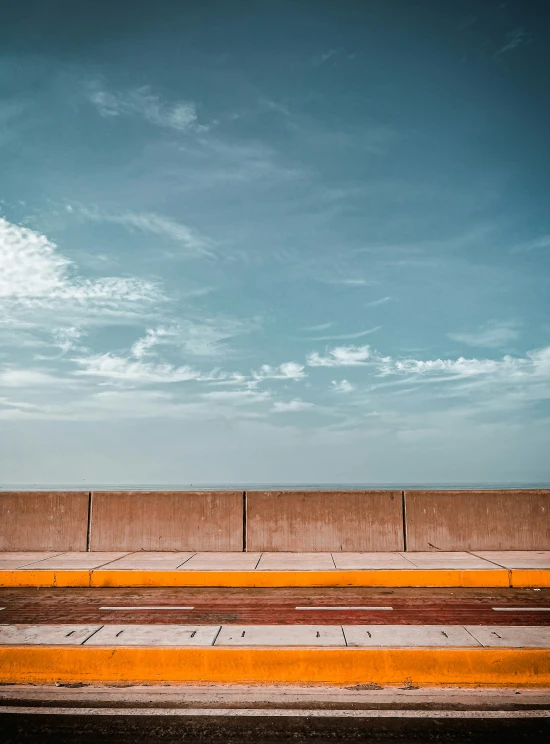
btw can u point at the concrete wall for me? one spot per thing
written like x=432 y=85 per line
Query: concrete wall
x=477 y=520
x=324 y=520
x=167 y=520
x=39 y=520
x=276 y=520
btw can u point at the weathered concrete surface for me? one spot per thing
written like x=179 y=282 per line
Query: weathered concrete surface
x=280 y=635
x=167 y=520
x=478 y=520
x=527 y=559
x=155 y=635
x=324 y=520
x=41 y=520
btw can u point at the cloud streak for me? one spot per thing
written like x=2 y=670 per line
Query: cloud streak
x=344 y=336
x=341 y=356
x=194 y=244
x=116 y=368
x=342 y=386
x=292 y=406
x=180 y=116
x=516 y=38
x=493 y=335
x=285 y=371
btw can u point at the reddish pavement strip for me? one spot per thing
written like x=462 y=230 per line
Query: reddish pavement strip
x=275 y=606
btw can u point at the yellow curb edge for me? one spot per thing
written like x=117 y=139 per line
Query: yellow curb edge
x=365 y=578
x=503 y=667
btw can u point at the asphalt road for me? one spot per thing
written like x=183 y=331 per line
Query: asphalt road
x=277 y=606
x=122 y=729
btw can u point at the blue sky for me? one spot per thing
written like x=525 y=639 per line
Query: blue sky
x=274 y=242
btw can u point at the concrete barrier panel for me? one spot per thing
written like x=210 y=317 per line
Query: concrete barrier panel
x=40 y=520
x=167 y=520
x=324 y=520
x=478 y=520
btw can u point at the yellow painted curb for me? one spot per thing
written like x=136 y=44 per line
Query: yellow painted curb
x=408 y=578
x=365 y=578
x=532 y=577
x=504 y=667
x=45 y=578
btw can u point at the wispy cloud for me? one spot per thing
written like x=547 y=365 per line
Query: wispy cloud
x=238 y=397
x=342 y=336
x=143 y=347
x=535 y=364
x=139 y=403
x=14 y=377
x=492 y=335
x=321 y=327
x=381 y=301
x=63 y=339
x=34 y=275
x=342 y=386
x=112 y=367
x=285 y=371
x=539 y=243
x=200 y=337
x=350 y=282
x=523 y=371
x=179 y=115
x=517 y=37
x=320 y=59
x=341 y=356
x=211 y=337
x=292 y=406
x=195 y=244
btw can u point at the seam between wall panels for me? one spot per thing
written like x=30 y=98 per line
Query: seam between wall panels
x=404 y=514
x=245 y=506
x=89 y=525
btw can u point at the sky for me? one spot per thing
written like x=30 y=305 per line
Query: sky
x=274 y=242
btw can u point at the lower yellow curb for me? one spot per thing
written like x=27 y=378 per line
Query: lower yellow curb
x=504 y=667
x=365 y=578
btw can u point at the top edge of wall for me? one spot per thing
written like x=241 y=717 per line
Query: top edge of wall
x=32 y=487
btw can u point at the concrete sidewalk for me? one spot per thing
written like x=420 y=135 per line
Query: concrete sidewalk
x=235 y=569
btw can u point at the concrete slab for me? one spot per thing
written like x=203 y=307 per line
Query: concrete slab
x=77 y=561
x=516 y=637
x=324 y=520
x=153 y=561
x=280 y=635
x=222 y=562
x=447 y=560
x=529 y=559
x=9 y=561
x=414 y=636
x=43 y=520
x=296 y=562
x=45 y=635
x=371 y=561
x=167 y=520
x=155 y=635
x=478 y=520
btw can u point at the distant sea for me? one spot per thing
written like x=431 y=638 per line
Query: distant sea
x=93 y=486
